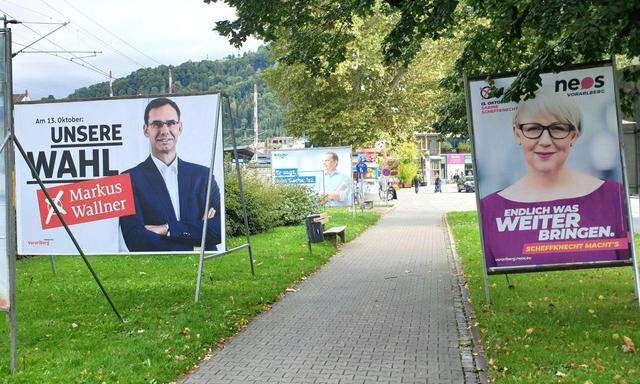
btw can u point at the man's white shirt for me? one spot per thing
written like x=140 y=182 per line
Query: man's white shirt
x=336 y=182
x=169 y=174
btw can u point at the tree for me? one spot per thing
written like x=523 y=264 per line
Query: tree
x=526 y=36
x=362 y=100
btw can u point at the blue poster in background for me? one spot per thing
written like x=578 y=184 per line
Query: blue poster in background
x=325 y=171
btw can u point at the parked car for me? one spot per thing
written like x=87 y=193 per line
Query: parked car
x=466 y=184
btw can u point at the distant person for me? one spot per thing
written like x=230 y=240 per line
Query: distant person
x=169 y=193
x=438 y=183
x=337 y=187
x=416 y=183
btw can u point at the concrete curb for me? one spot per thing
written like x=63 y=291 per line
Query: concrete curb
x=474 y=361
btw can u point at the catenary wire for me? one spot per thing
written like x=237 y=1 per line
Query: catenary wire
x=87 y=64
x=28 y=9
x=93 y=36
x=96 y=68
x=64 y=58
x=111 y=33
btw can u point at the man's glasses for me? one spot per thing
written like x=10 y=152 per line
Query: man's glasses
x=556 y=130
x=158 y=124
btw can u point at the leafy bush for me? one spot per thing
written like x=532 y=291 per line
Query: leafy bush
x=268 y=206
x=446 y=147
x=464 y=148
x=406 y=173
x=295 y=203
x=261 y=199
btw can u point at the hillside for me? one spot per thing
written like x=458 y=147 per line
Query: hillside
x=233 y=75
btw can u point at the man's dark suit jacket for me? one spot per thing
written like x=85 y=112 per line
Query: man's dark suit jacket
x=153 y=207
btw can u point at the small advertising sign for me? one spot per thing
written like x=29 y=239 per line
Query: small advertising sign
x=455 y=158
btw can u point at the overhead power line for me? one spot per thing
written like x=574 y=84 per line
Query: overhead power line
x=51 y=53
x=43 y=37
x=42 y=22
x=92 y=36
x=28 y=9
x=112 y=34
x=87 y=64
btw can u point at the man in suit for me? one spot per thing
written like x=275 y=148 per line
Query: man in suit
x=169 y=193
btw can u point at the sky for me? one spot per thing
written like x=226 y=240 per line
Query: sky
x=131 y=34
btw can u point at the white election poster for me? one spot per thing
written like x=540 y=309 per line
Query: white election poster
x=128 y=175
x=326 y=171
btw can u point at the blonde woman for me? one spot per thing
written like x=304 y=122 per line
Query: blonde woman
x=552 y=203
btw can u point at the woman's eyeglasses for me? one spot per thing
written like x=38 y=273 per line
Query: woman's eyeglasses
x=556 y=130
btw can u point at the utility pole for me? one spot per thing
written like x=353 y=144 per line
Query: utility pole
x=110 y=84
x=255 y=122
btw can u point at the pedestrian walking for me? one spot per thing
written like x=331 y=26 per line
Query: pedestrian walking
x=416 y=183
x=438 y=183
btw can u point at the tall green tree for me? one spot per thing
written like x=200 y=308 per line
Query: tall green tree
x=529 y=35
x=526 y=36
x=362 y=99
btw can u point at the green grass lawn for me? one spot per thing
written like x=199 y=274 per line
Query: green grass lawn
x=68 y=333
x=554 y=327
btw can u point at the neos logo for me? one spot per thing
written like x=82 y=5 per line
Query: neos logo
x=484 y=92
x=576 y=84
x=279 y=155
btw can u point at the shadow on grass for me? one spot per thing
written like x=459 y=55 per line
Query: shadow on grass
x=554 y=327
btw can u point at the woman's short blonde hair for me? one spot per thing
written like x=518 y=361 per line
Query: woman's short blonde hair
x=560 y=107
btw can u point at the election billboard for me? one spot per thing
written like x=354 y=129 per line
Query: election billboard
x=128 y=175
x=549 y=173
x=325 y=171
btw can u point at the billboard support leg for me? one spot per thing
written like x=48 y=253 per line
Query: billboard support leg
x=506 y=276
x=34 y=172
x=634 y=254
x=475 y=169
x=205 y=219
x=485 y=281
x=12 y=253
x=241 y=190
x=52 y=263
x=10 y=208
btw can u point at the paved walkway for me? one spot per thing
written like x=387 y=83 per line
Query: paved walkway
x=383 y=310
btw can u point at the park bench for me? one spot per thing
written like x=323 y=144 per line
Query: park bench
x=317 y=234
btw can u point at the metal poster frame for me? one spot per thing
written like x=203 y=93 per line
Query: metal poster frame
x=564 y=266
x=485 y=275
x=11 y=213
x=634 y=253
x=9 y=207
x=214 y=255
